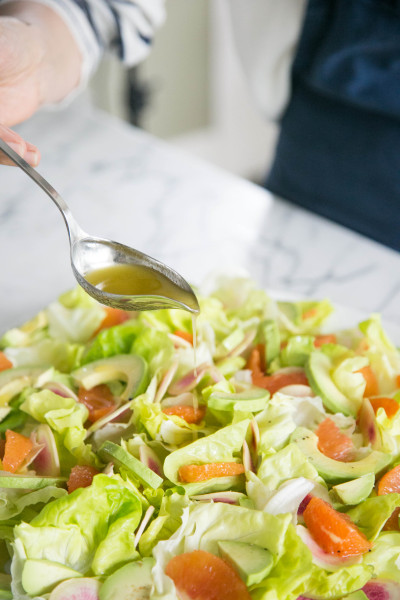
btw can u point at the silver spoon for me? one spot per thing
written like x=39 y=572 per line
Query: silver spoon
x=89 y=254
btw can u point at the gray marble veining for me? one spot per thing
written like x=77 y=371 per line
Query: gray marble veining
x=126 y=185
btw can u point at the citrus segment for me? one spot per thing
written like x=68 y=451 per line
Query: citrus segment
x=112 y=317
x=333 y=531
x=371 y=382
x=389 y=405
x=185 y=335
x=390 y=482
x=4 y=362
x=332 y=442
x=98 y=400
x=329 y=338
x=80 y=476
x=193 y=473
x=188 y=413
x=199 y=575
x=16 y=449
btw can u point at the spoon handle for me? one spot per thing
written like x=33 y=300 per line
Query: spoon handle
x=74 y=231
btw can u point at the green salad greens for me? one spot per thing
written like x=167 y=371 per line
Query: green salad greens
x=262 y=464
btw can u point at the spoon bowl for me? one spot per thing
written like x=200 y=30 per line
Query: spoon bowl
x=101 y=266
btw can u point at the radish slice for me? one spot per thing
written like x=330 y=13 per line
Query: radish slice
x=226 y=497
x=166 y=381
x=323 y=559
x=255 y=439
x=189 y=381
x=47 y=461
x=143 y=524
x=83 y=588
x=382 y=590
x=149 y=458
x=247 y=461
x=60 y=389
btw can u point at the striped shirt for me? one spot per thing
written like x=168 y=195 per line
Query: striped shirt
x=122 y=27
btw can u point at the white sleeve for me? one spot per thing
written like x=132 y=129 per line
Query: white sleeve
x=123 y=27
x=266 y=34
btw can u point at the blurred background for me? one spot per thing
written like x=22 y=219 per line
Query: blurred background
x=191 y=91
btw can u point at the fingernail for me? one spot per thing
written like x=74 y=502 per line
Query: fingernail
x=18 y=147
x=32 y=157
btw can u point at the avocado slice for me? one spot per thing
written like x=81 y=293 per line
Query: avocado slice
x=26 y=482
x=356 y=490
x=39 y=576
x=335 y=471
x=252 y=562
x=13 y=381
x=129 y=368
x=270 y=336
x=358 y=595
x=251 y=400
x=318 y=370
x=131 y=582
x=111 y=452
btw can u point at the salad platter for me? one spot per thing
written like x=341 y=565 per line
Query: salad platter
x=263 y=463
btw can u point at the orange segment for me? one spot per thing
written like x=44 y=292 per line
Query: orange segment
x=371 y=388
x=113 y=316
x=320 y=340
x=273 y=383
x=4 y=362
x=188 y=413
x=98 y=400
x=389 y=405
x=332 y=442
x=80 y=476
x=390 y=482
x=193 y=473
x=256 y=361
x=185 y=335
x=199 y=575
x=334 y=531
x=16 y=449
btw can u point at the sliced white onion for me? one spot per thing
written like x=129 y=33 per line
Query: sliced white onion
x=298 y=390
x=186 y=399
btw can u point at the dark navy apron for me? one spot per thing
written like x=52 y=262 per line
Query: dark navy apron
x=338 y=152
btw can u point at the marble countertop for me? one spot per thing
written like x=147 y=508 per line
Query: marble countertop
x=125 y=185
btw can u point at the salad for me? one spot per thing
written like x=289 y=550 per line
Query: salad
x=264 y=465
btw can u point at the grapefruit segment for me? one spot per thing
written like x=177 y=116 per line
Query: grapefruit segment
x=199 y=575
x=190 y=414
x=334 y=532
x=80 y=476
x=389 y=405
x=194 y=473
x=98 y=400
x=16 y=450
x=332 y=442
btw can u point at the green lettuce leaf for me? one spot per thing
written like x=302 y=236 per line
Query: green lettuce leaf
x=285 y=464
x=382 y=354
x=371 y=515
x=90 y=529
x=112 y=341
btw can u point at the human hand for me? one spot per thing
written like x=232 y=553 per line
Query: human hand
x=28 y=151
